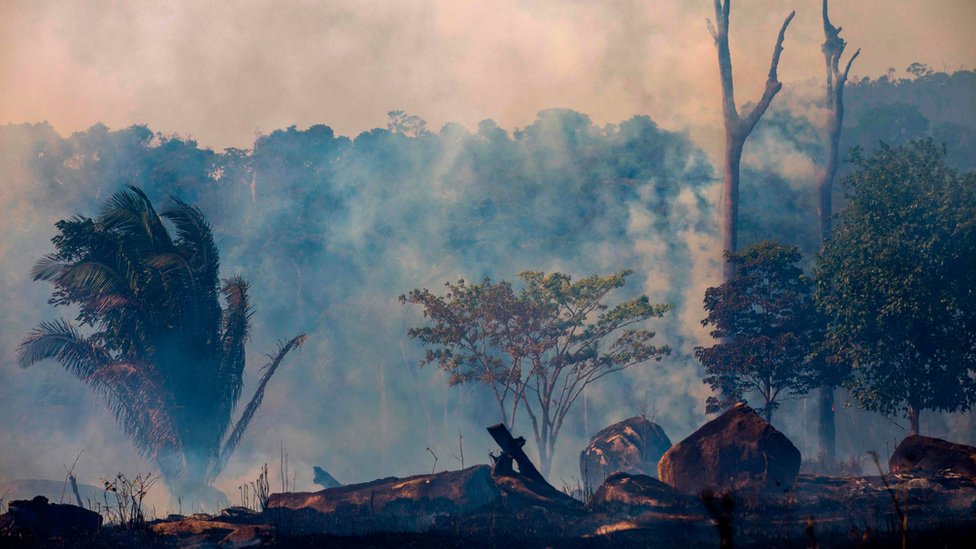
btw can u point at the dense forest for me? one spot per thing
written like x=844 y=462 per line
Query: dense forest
x=330 y=230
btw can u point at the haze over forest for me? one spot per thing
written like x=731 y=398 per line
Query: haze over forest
x=559 y=136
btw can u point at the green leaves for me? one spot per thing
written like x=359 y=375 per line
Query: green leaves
x=896 y=280
x=538 y=348
x=768 y=326
x=165 y=357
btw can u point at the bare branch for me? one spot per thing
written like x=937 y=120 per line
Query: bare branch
x=850 y=62
x=773 y=84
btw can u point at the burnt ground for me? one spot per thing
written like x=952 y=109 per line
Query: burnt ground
x=818 y=512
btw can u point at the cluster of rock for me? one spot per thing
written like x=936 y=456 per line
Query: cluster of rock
x=634 y=446
x=734 y=453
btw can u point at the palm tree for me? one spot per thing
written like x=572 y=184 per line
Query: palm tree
x=162 y=353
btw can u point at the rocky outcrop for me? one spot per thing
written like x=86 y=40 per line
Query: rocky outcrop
x=933 y=456
x=44 y=520
x=736 y=450
x=634 y=446
x=626 y=492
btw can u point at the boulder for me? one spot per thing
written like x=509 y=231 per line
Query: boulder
x=736 y=450
x=623 y=491
x=933 y=456
x=46 y=520
x=634 y=445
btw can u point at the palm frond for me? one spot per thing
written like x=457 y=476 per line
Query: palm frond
x=234 y=334
x=94 y=278
x=60 y=341
x=141 y=407
x=229 y=379
x=112 y=302
x=48 y=268
x=255 y=403
x=131 y=213
x=169 y=261
x=195 y=238
x=195 y=244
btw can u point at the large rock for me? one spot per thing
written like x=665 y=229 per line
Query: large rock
x=933 y=456
x=634 y=446
x=736 y=450
x=623 y=491
x=46 y=520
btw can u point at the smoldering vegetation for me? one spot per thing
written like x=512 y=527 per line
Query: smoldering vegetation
x=331 y=229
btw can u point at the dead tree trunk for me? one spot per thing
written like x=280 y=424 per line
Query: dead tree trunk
x=513 y=447
x=833 y=48
x=738 y=128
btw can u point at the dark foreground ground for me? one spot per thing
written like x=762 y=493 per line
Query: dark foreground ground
x=819 y=512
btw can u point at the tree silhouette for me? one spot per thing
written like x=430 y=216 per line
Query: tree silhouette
x=163 y=354
x=896 y=282
x=537 y=349
x=767 y=327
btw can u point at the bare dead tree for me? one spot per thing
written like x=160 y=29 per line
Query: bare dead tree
x=738 y=128
x=833 y=49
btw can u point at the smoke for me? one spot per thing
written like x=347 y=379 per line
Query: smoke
x=221 y=72
x=330 y=229
x=332 y=232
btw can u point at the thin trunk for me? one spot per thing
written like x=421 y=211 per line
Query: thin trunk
x=833 y=48
x=545 y=459
x=737 y=129
x=913 y=419
x=826 y=423
x=730 y=204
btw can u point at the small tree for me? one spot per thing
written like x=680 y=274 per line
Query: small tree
x=537 y=349
x=163 y=354
x=897 y=278
x=767 y=323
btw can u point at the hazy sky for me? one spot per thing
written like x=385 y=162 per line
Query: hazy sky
x=221 y=71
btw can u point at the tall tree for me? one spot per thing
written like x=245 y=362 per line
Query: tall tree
x=766 y=323
x=738 y=128
x=896 y=281
x=164 y=355
x=833 y=49
x=538 y=349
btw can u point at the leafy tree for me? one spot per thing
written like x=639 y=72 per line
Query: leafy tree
x=538 y=348
x=165 y=357
x=767 y=324
x=409 y=125
x=897 y=280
